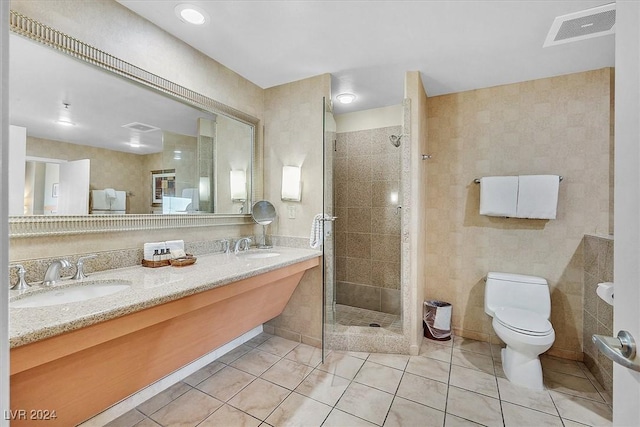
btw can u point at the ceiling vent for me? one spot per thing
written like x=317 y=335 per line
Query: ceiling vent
x=595 y=22
x=140 y=127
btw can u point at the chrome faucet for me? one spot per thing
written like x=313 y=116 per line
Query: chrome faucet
x=53 y=272
x=242 y=244
x=80 y=267
x=226 y=246
x=21 y=284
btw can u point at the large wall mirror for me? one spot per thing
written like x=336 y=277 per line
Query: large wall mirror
x=92 y=135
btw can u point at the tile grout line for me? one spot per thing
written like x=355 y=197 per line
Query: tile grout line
x=495 y=375
x=395 y=394
x=446 y=399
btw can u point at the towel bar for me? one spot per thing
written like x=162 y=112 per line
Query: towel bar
x=477 y=180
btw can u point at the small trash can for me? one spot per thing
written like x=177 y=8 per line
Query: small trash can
x=436 y=320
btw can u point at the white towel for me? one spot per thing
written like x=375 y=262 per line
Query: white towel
x=119 y=203
x=99 y=201
x=174 y=245
x=538 y=196
x=315 y=238
x=498 y=195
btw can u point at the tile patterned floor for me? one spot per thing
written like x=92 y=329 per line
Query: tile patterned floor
x=354 y=316
x=271 y=381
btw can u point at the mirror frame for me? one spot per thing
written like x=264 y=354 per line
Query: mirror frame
x=51 y=225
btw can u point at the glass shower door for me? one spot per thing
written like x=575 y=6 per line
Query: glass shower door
x=328 y=221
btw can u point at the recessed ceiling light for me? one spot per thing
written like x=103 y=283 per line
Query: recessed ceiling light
x=64 y=117
x=191 y=14
x=346 y=98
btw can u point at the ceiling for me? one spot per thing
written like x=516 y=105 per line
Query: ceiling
x=368 y=46
x=99 y=103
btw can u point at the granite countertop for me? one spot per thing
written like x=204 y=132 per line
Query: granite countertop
x=149 y=287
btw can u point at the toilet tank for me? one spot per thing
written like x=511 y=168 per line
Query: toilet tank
x=517 y=291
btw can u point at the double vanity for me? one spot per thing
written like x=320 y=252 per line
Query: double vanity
x=81 y=346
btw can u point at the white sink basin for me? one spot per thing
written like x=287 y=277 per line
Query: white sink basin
x=259 y=255
x=76 y=293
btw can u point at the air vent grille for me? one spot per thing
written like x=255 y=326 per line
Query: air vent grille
x=586 y=25
x=599 y=21
x=140 y=127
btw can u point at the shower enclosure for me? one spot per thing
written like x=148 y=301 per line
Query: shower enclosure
x=363 y=253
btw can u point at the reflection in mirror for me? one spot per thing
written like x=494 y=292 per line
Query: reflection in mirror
x=72 y=110
x=41 y=188
x=55 y=187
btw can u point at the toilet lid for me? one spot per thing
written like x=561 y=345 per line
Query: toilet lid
x=524 y=321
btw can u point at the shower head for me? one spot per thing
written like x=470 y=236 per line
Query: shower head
x=395 y=140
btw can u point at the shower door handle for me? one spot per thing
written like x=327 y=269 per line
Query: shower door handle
x=331 y=218
x=621 y=349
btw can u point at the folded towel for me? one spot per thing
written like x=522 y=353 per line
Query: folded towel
x=99 y=201
x=177 y=253
x=174 y=245
x=119 y=203
x=538 y=196
x=498 y=195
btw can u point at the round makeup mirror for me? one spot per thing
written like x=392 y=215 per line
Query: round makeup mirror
x=263 y=213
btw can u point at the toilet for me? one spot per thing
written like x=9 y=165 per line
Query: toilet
x=520 y=306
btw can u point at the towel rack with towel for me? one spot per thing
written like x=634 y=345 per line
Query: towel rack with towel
x=477 y=180
x=522 y=196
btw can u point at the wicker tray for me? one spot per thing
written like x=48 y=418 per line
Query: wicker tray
x=184 y=261
x=155 y=264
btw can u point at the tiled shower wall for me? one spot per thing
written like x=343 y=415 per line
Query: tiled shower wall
x=366 y=195
x=597 y=314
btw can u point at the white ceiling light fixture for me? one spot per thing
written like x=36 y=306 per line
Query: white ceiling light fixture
x=586 y=24
x=134 y=141
x=64 y=122
x=346 y=98
x=191 y=14
x=64 y=118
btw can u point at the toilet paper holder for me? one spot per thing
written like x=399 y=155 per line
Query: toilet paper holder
x=605 y=292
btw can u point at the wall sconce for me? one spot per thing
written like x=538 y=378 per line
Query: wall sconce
x=291 y=185
x=205 y=188
x=238 y=182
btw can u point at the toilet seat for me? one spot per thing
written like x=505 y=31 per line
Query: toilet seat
x=523 y=321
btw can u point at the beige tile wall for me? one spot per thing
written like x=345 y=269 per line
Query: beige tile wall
x=294 y=136
x=597 y=314
x=557 y=125
x=366 y=176
x=415 y=182
x=109 y=169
